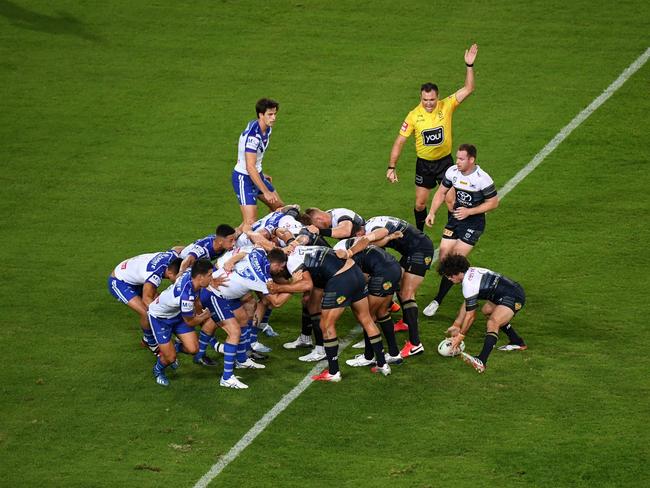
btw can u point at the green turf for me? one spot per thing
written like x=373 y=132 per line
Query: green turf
x=119 y=123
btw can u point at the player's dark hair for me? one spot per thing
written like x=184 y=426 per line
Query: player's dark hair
x=201 y=267
x=305 y=219
x=452 y=265
x=263 y=104
x=224 y=230
x=429 y=87
x=175 y=265
x=470 y=149
x=276 y=256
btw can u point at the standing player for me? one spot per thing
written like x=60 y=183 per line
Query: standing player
x=504 y=299
x=338 y=283
x=431 y=123
x=210 y=247
x=475 y=195
x=135 y=283
x=248 y=180
x=173 y=312
x=417 y=253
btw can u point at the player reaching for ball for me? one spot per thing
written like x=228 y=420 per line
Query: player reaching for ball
x=504 y=299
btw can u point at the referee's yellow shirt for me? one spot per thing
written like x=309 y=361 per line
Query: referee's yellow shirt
x=432 y=130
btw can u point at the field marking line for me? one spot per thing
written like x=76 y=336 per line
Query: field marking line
x=286 y=400
x=261 y=424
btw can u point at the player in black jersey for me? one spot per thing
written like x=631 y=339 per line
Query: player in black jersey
x=475 y=194
x=417 y=253
x=336 y=283
x=504 y=299
x=384 y=274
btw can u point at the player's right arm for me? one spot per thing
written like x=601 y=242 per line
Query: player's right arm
x=396 y=150
x=148 y=294
x=300 y=283
x=438 y=198
x=251 y=161
x=187 y=263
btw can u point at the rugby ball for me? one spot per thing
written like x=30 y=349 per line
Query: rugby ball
x=444 y=348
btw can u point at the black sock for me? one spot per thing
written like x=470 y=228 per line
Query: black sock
x=410 y=315
x=513 y=337
x=318 y=333
x=378 y=348
x=388 y=328
x=443 y=289
x=420 y=217
x=332 y=353
x=367 y=349
x=306 y=322
x=488 y=344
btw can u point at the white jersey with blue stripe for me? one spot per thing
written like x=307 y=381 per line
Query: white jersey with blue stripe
x=277 y=220
x=175 y=300
x=252 y=141
x=145 y=268
x=250 y=274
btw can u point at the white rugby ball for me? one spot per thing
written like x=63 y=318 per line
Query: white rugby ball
x=444 y=348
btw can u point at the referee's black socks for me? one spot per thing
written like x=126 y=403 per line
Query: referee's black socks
x=420 y=217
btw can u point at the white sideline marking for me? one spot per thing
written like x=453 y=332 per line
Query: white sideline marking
x=284 y=402
x=577 y=120
x=261 y=424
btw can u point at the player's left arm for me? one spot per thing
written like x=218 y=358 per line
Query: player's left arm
x=468 y=88
x=301 y=283
x=464 y=322
x=148 y=293
x=490 y=204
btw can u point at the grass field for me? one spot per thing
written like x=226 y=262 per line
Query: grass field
x=119 y=123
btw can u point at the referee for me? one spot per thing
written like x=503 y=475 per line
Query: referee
x=430 y=121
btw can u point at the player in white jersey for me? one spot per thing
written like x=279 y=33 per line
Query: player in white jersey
x=174 y=313
x=504 y=298
x=248 y=178
x=340 y=223
x=135 y=282
x=246 y=272
x=475 y=195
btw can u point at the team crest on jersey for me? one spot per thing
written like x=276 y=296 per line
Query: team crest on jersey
x=427 y=260
x=517 y=306
x=433 y=137
x=340 y=300
x=387 y=285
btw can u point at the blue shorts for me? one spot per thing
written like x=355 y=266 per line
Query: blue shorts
x=220 y=308
x=123 y=291
x=246 y=190
x=164 y=328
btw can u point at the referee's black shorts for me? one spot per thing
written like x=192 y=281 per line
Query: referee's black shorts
x=428 y=174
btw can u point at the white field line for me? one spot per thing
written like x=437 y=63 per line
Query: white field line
x=286 y=400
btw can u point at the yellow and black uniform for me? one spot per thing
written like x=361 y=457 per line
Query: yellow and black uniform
x=433 y=142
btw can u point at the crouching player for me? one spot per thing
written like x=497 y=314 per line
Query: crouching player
x=384 y=274
x=174 y=312
x=340 y=283
x=135 y=283
x=504 y=299
x=245 y=272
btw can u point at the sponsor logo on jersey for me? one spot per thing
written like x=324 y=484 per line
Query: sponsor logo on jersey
x=340 y=299
x=463 y=196
x=187 y=305
x=433 y=137
x=387 y=285
x=405 y=127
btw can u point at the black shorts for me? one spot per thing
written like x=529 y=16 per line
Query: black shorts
x=418 y=261
x=510 y=294
x=385 y=281
x=428 y=174
x=345 y=288
x=467 y=230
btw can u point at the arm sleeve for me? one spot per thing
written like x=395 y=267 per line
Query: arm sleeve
x=252 y=143
x=407 y=126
